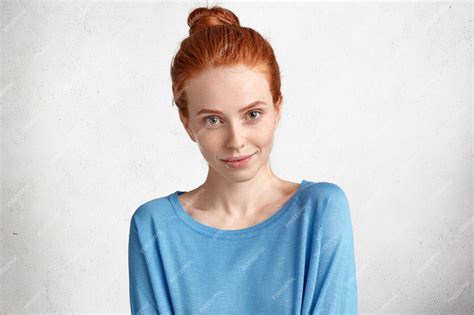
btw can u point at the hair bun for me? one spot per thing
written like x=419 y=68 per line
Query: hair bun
x=201 y=18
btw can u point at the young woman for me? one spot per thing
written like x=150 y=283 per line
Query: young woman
x=245 y=241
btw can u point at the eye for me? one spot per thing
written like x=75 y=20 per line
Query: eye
x=255 y=111
x=213 y=120
x=208 y=119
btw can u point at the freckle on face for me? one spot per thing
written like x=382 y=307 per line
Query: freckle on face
x=228 y=90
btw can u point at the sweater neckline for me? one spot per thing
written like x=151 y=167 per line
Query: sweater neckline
x=232 y=234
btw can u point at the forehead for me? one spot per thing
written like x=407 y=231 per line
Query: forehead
x=227 y=88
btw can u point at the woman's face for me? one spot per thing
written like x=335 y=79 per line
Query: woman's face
x=223 y=127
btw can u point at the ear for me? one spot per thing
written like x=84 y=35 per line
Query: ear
x=185 y=121
x=278 y=107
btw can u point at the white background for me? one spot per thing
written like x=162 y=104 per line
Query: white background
x=378 y=100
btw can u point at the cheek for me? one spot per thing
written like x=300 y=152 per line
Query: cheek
x=266 y=142
x=266 y=132
x=201 y=134
x=209 y=144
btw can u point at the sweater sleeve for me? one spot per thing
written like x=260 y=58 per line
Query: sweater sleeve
x=140 y=286
x=336 y=291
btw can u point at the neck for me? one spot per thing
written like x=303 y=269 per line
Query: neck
x=238 y=197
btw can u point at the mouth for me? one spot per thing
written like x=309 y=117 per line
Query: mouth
x=237 y=158
x=238 y=162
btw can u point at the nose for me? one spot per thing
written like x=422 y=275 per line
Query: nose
x=235 y=139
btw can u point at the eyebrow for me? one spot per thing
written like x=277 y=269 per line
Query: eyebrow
x=211 y=111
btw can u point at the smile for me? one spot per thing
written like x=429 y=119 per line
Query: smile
x=239 y=163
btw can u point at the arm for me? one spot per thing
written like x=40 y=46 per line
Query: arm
x=140 y=285
x=336 y=291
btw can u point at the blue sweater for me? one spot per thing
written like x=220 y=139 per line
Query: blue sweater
x=298 y=261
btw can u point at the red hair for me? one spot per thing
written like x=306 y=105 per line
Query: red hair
x=216 y=39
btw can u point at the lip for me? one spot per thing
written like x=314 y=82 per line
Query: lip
x=240 y=164
x=237 y=158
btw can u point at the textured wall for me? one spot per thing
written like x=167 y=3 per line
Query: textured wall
x=377 y=100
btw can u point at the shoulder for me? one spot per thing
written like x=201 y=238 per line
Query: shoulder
x=154 y=210
x=327 y=202
x=323 y=190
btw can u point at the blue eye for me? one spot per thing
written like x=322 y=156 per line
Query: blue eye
x=208 y=122
x=206 y=119
x=255 y=111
